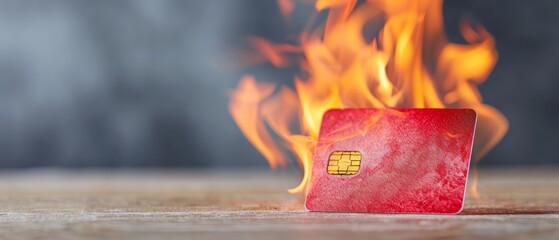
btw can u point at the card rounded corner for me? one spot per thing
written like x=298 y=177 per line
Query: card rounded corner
x=330 y=111
x=307 y=207
x=459 y=209
x=472 y=112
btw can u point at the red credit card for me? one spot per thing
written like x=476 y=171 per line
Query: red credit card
x=392 y=160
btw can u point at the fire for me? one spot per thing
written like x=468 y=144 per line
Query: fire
x=409 y=62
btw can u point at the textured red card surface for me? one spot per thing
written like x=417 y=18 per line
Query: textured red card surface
x=392 y=160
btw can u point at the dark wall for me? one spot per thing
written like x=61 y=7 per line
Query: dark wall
x=525 y=83
x=144 y=83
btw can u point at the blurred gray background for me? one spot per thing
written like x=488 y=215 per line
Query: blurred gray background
x=134 y=83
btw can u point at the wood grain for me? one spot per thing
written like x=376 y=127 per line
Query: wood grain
x=39 y=204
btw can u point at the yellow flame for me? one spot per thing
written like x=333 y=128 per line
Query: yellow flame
x=408 y=63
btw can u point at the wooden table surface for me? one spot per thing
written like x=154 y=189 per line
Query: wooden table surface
x=55 y=204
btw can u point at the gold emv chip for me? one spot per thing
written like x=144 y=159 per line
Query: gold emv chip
x=344 y=162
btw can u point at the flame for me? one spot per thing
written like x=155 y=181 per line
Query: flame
x=408 y=63
x=286 y=7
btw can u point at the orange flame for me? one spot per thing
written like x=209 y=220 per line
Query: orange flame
x=408 y=63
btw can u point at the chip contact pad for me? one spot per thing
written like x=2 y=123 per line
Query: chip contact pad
x=344 y=162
